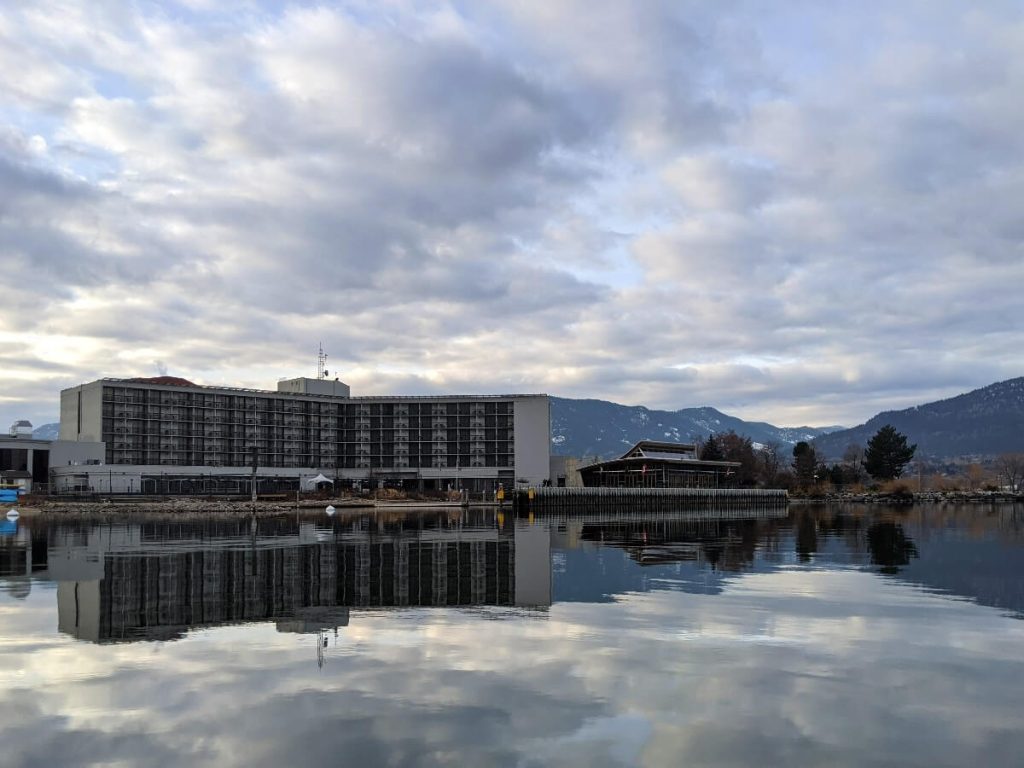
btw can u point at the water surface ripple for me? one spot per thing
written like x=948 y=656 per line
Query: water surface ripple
x=841 y=635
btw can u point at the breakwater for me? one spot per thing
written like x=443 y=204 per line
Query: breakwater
x=711 y=500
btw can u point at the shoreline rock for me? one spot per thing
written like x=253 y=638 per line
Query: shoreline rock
x=184 y=507
x=926 y=497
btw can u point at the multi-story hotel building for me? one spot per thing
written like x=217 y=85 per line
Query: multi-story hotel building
x=173 y=431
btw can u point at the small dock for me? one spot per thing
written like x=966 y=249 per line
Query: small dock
x=711 y=500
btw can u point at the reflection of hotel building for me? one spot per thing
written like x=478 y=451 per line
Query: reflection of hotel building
x=166 y=435
x=117 y=584
x=150 y=580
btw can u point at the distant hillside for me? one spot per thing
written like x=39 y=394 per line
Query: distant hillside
x=46 y=432
x=987 y=421
x=600 y=428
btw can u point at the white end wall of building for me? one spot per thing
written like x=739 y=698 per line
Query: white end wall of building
x=532 y=425
x=81 y=413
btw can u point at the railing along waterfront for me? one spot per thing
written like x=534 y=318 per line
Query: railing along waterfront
x=710 y=500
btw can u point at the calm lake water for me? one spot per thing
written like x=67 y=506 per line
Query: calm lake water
x=846 y=635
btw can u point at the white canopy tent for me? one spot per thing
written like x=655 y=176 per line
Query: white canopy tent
x=312 y=483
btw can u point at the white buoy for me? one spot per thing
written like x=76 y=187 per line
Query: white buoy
x=13 y=514
x=330 y=510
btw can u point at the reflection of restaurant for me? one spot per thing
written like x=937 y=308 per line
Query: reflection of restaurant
x=122 y=584
x=727 y=544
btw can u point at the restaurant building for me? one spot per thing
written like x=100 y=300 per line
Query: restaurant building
x=655 y=464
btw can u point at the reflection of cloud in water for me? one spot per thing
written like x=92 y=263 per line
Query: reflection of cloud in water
x=619 y=739
x=595 y=684
x=34 y=737
x=759 y=639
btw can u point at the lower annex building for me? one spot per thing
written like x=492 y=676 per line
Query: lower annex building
x=26 y=461
x=168 y=435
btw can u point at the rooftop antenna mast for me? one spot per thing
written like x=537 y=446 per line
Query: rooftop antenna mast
x=321 y=363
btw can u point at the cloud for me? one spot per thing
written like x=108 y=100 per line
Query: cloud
x=663 y=203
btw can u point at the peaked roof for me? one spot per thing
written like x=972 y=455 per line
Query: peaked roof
x=171 y=381
x=659 y=449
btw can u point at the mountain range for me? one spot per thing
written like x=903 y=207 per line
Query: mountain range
x=984 y=422
x=46 y=431
x=604 y=429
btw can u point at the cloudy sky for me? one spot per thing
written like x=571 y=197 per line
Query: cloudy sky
x=799 y=212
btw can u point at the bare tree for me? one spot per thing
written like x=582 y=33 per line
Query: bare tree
x=771 y=462
x=1010 y=467
x=975 y=475
x=853 y=461
x=854 y=454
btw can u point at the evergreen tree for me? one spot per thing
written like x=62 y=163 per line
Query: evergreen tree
x=837 y=475
x=805 y=463
x=712 y=450
x=887 y=453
